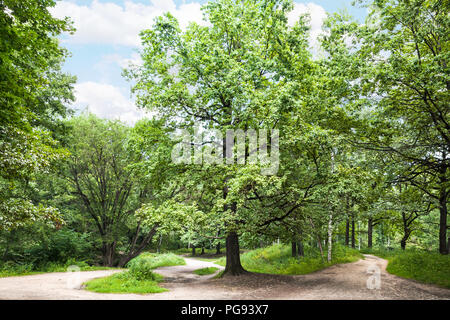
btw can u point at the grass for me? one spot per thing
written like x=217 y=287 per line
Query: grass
x=139 y=278
x=155 y=260
x=125 y=282
x=206 y=271
x=277 y=259
x=14 y=270
x=424 y=266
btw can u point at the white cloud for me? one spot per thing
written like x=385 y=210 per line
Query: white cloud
x=134 y=59
x=109 y=23
x=317 y=16
x=106 y=101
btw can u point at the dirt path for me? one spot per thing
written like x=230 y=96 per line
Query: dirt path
x=346 y=281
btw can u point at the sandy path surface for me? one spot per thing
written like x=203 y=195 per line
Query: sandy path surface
x=345 y=281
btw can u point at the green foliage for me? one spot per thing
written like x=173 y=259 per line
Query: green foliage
x=206 y=271
x=60 y=246
x=277 y=259
x=33 y=94
x=28 y=53
x=40 y=247
x=383 y=85
x=101 y=175
x=13 y=269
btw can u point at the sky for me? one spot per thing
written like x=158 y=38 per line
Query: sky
x=107 y=40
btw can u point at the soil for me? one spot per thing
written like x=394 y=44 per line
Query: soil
x=344 y=281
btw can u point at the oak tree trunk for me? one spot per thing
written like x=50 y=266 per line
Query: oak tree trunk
x=403 y=243
x=443 y=248
x=233 y=262
x=108 y=251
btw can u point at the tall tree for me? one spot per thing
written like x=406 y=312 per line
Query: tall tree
x=231 y=74
x=104 y=171
x=396 y=67
x=33 y=96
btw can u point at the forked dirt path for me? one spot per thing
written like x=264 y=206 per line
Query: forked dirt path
x=345 y=281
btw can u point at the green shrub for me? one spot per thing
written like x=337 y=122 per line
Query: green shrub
x=59 y=246
x=11 y=268
x=141 y=270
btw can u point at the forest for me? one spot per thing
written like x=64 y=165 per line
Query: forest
x=363 y=146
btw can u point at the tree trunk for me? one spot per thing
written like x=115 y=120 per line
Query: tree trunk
x=203 y=250
x=319 y=244
x=319 y=241
x=353 y=232
x=403 y=243
x=218 y=243
x=443 y=248
x=347 y=232
x=218 y=248
x=406 y=231
x=330 y=237
x=133 y=252
x=108 y=251
x=301 y=253
x=233 y=262
x=369 y=232
x=159 y=244
x=193 y=250
x=294 y=249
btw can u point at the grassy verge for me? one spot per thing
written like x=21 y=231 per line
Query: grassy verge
x=139 y=278
x=206 y=271
x=420 y=265
x=155 y=260
x=277 y=259
x=125 y=282
x=14 y=270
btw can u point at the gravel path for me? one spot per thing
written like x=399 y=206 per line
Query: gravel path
x=345 y=281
